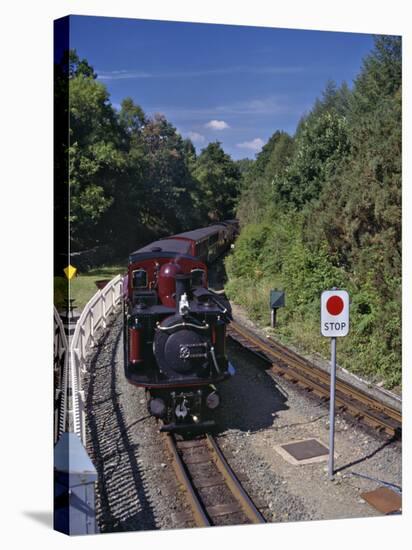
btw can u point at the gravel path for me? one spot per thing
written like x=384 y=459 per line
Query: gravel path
x=136 y=486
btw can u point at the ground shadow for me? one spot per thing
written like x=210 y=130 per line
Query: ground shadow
x=122 y=450
x=367 y=456
x=251 y=399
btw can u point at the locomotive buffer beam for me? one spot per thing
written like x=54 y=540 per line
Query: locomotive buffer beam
x=185 y=427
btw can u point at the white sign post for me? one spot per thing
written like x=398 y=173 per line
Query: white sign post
x=334 y=323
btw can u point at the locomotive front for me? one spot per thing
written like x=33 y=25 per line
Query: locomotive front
x=175 y=331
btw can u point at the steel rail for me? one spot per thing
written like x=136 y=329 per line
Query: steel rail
x=200 y=510
x=280 y=351
x=233 y=483
x=297 y=361
x=300 y=370
x=199 y=514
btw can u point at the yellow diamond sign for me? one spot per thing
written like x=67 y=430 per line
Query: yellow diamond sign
x=70 y=271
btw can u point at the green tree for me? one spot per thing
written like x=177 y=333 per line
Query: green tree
x=169 y=183
x=79 y=67
x=95 y=158
x=219 y=182
x=321 y=145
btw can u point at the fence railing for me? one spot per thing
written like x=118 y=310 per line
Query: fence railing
x=70 y=358
x=93 y=317
x=78 y=515
x=60 y=374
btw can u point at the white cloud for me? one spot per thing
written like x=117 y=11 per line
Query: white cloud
x=217 y=125
x=264 y=106
x=121 y=75
x=196 y=137
x=218 y=71
x=254 y=145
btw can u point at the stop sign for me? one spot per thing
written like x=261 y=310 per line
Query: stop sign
x=334 y=317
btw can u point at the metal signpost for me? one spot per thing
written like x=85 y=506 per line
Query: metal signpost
x=276 y=300
x=334 y=323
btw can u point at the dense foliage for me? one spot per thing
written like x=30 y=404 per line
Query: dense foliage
x=323 y=209
x=318 y=209
x=134 y=178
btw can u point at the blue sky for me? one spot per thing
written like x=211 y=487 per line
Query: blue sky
x=233 y=84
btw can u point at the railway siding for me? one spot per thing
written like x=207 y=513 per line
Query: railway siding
x=377 y=408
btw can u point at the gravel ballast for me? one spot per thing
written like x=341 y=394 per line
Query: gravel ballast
x=259 y=413
x=137 y=487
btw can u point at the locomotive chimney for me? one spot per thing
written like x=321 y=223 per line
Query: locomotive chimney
x=183 y=286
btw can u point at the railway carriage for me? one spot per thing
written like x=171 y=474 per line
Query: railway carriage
x=175 y=327
x=207 y=243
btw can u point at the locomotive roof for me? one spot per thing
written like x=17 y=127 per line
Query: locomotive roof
x=198 y=234
x=166 y=245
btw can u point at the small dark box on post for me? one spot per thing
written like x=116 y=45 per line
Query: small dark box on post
x=276 y=300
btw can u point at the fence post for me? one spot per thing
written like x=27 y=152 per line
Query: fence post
x=83 y=344
x=82 y=416
x=92 y=341
x=80 y=342
x=103 y=308
x=120 y=289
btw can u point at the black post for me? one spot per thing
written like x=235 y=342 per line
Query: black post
x=273 y=317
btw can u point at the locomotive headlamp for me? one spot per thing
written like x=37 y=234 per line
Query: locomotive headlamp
x=213 y=400
x=157 y=407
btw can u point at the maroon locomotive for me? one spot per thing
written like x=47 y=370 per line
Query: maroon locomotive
x=175 y=327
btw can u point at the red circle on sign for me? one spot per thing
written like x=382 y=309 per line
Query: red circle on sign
x=335 y=305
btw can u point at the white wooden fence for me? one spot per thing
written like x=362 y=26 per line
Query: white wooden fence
x=93 y=317
x=60 y=374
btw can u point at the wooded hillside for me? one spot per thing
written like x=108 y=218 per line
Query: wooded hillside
x=318 y=209
x=322 y=208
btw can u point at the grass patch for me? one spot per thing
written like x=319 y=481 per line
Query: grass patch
x=83 y=286
x=300 y=327
x=267 y=256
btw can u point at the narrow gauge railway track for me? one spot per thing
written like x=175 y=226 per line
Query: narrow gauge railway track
x=214 y=493
x=298 y=370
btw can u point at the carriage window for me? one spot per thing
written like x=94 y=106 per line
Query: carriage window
x=213 y=238
x=139 y=278
x=197 y=276
x=202 y=248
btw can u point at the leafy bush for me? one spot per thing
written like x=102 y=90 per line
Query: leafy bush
x=323 y=209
